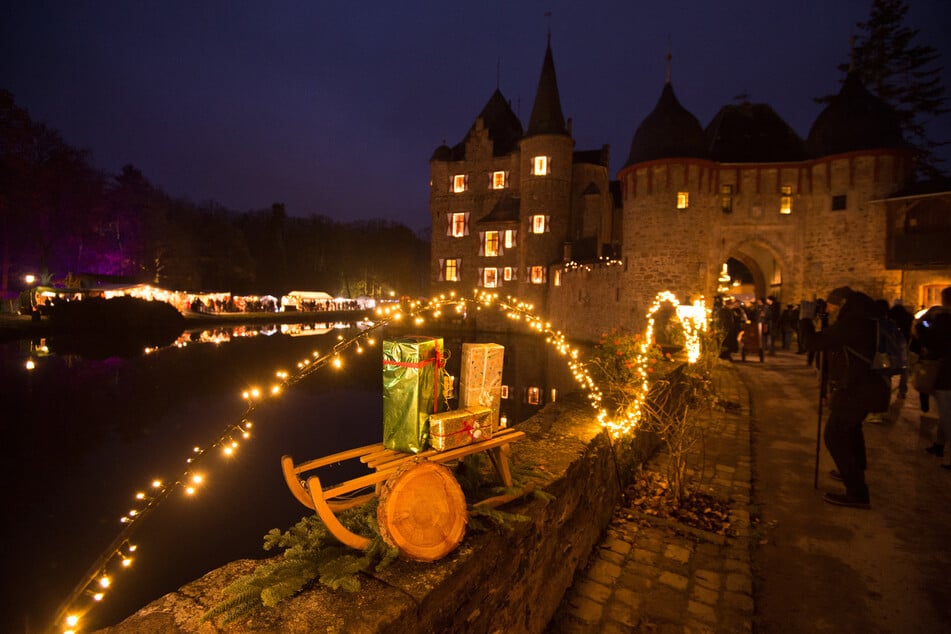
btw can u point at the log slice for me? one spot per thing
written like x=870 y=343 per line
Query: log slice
x=422 y=511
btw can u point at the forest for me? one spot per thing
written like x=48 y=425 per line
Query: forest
x=61 y=216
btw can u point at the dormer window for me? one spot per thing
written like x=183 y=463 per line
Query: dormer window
x=460 y=183
x=499 y=180
x=541 y=165
x=683 y=200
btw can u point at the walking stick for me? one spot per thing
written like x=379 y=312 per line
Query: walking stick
x=822 y=397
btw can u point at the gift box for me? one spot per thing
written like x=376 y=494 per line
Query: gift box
x=412 y=390
x=480 y=381
x=456 y=428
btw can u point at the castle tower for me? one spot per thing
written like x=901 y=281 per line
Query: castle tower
x=545 y=169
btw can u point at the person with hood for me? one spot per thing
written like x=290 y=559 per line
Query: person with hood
x=936 y=344
x=854 y=390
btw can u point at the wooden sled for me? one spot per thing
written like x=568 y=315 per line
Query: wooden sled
x=305 y=484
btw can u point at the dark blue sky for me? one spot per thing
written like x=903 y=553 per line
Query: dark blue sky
x=334 y=108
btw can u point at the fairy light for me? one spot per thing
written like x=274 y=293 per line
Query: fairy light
x=190 y=481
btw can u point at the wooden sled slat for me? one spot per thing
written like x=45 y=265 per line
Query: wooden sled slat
x=385 y=462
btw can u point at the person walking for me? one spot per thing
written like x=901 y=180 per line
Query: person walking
x=854 y=390
x=936 y=344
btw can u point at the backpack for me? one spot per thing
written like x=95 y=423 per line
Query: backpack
x=891 y=349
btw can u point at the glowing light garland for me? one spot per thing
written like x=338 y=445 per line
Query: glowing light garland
x=693 y=319
x=119 y=554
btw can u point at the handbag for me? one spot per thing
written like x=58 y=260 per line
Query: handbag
x=925 y=375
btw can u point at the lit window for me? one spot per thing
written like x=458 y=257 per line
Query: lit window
x=509 y=241
x=508 y=273
x=537 y=274
x=785 y=201
x=458 y=225
x=726 y=198
x=540 y=223
x=505 y=391
x=533 y=395
x=540 y=166
x=490 y=277
x=460 y=183
x=557 y=277
x=451 y=270
x=839 y=203
x=490 y=244
x=683 y=200
x=499 y=179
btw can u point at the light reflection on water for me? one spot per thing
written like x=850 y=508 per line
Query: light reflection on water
x=83 y=435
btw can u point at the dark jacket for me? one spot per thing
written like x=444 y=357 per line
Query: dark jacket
x=852 y=335
x=936 y=342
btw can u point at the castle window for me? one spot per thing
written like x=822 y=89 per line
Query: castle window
x=557 y=280
x=509 y=241
x=490 y=244
x=538 y=274
x=500 y=180
x=541 y=223
x=541 y=165
x=458 y=225
x=931 y=294
x=785 y=201
x=505 y=391
x=508 y=273
x=726 y=199
x=460 y=183
x=683 y=200
x=533 y=396
x=839 y=202
x=490 y=277
x=449 y=269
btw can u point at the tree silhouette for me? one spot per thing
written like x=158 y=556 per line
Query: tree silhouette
x=904 y=74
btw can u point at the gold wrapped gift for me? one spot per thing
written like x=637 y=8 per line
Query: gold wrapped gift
x=480 y=381
x=456 y=428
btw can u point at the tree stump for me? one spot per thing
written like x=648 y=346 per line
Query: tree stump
x=422 y=511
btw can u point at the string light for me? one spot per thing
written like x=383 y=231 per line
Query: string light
x=189 y=482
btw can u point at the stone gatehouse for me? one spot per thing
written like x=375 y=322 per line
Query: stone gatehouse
x=525 y=214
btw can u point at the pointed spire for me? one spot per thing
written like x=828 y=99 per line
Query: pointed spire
x=668 y=58
x=547 y=117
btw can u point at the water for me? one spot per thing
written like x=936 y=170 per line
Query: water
x=82 y=435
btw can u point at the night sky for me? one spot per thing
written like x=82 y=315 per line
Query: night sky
x=334 y=108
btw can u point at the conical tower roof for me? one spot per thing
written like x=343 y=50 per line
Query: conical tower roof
x=547 y=117
x=855 y=119
x=669 y=131
x=752 y=133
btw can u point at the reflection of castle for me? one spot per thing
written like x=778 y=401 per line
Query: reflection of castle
x=523 y=212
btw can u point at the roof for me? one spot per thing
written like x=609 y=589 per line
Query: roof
x=507 y=209
x=855 y=119
x=752 y=133
x=593 y=157
x=547 y=117
x=503 y=125
x=669 y=131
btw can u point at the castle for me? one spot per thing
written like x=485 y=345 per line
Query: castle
x=524 y=214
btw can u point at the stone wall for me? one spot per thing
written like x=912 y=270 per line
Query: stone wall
x=498 y=581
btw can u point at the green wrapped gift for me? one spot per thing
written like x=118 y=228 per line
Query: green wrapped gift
x=412 y=390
